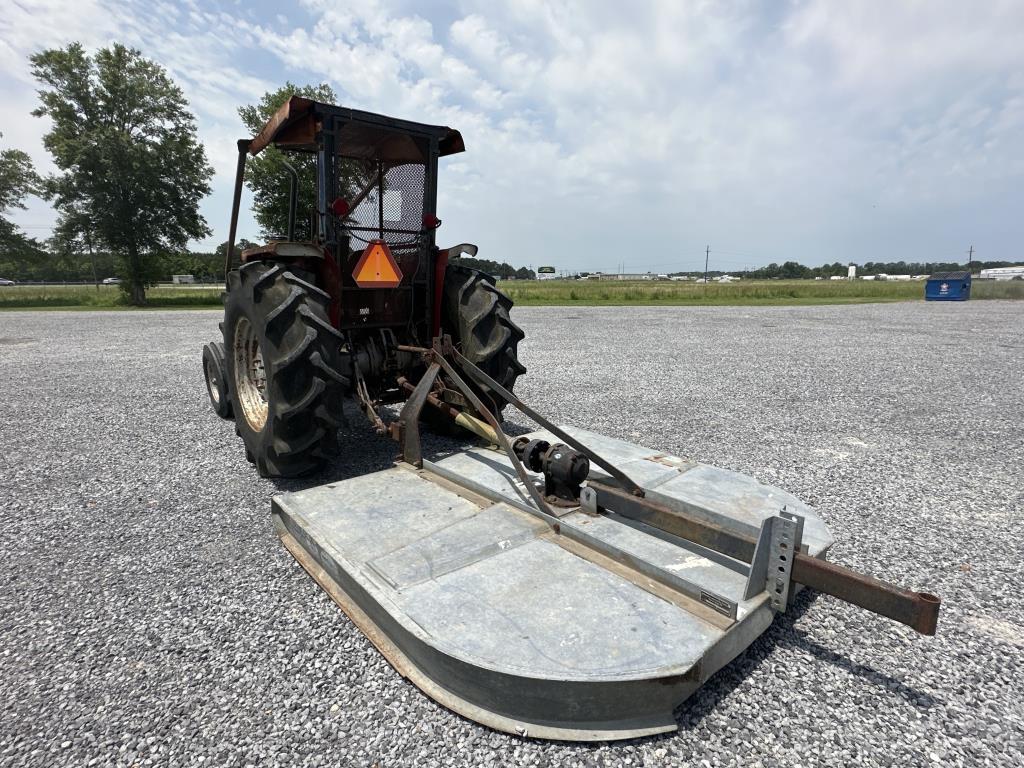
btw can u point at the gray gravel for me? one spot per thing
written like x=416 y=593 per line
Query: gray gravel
x=148 y=614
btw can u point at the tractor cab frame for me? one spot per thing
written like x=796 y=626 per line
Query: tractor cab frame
x=376 y=182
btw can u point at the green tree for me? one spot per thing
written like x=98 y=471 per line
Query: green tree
x=501 y=270
x=215 y=260
x=791 y=270
x=19 y=255
x=125 y=143
x=18 y=180
x=73 y=238
x=265 y=174
x=236 y=254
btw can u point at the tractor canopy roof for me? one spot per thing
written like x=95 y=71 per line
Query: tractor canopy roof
x=364 y=135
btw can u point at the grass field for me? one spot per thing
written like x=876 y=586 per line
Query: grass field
x=549 y=293
x=106 y=297
x=752 y=292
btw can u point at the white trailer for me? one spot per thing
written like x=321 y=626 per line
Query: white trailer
x=1003 y=273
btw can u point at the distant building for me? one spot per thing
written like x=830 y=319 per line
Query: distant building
x=623 y=276
x=1003 y=273
x=884 y=276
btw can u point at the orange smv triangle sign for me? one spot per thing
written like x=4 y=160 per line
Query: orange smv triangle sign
x=377 y=268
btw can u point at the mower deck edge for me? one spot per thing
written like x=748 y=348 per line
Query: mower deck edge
x=408 y=669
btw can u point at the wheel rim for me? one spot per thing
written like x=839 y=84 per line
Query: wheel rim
x=213 y=383
x=250 y=375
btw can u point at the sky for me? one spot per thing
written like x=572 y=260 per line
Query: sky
x=610 y=135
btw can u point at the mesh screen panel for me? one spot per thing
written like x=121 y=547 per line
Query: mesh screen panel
x=399 y=198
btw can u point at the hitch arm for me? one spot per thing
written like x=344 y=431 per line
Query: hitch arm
x=511 y=399
x=918 y=610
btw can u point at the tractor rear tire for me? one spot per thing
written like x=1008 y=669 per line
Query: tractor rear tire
x=282 y=363
x=216 y=373
x=476 y=315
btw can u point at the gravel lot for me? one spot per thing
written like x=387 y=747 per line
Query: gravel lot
x=149 y=615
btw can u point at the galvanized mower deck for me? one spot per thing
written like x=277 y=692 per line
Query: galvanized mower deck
x=556 y=610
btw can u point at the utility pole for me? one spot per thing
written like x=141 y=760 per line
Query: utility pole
x=92 y=257
x=970 y=259
x=707 y=255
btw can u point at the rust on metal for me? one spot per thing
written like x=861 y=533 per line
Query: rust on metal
x=369 y=405
x=918 y=610
x=412 y=450
x=463 y=419
x=291 y=125
x=281 y=249
x=236 y=200
x=296 y=123
x=443 y=346
x=707 y=534
x=443 y=349
x=432 y=399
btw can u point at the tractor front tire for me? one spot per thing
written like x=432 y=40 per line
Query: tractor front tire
x=282 y=366
x=476 y=315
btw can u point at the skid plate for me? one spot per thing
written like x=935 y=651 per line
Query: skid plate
x=596 y=632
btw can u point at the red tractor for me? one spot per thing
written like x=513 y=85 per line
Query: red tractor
x=347 y=311
x=568 y=585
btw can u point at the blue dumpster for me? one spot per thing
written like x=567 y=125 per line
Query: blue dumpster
x=948 y=286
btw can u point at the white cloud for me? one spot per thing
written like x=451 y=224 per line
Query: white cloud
x=598 y=131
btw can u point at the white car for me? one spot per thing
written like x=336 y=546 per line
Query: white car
x=5 y=281
x=112 y=281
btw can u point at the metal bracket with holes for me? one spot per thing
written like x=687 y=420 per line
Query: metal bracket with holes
x=772 y=567
x=588 y=500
